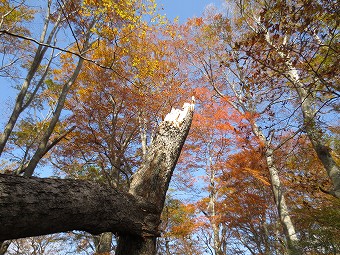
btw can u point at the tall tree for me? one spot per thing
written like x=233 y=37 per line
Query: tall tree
x=301 y=44
x=231 y=79
x=304 y=179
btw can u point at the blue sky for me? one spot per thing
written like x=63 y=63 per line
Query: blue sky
x=185 y=8
x=172 y=8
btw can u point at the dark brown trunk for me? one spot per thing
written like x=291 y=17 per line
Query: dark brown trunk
x=136 y=245
x=36 y=206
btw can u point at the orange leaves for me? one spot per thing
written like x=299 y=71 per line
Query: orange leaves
x=198 y=21
x=257 y=174
x=211 y=113
x=179 y=218
x=191 y=22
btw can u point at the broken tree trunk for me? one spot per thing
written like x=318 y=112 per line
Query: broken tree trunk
x=152 y=179
x=34 y=206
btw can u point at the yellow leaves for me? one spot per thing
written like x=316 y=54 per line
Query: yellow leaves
x=123 y=10
x=135 y=62
x=119 y=15
x=145 y=66
x=29 y=131
x=15 y=13
x=13 y=16
x=128 y=43
x=149 y=8
x=130 y=11
x=85 y=92
x=159 y=19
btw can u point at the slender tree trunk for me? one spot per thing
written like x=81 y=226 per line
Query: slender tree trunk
x=22 y=102
x=19 y=102
x=313 y=130
x=279 y=197
x=282 y=208
x=212 y=202
x=143 y=131
x=216 y=235
x=44 y=145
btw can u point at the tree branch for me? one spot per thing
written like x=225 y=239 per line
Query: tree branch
x=77 y=54
x=40 y=206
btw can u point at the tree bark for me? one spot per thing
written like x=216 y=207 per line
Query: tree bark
x=40 y=206
x=313 y=130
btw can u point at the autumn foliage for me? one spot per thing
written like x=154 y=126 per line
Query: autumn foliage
x=264 y=142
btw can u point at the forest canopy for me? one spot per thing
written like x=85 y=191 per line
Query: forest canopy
x=98 y=156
